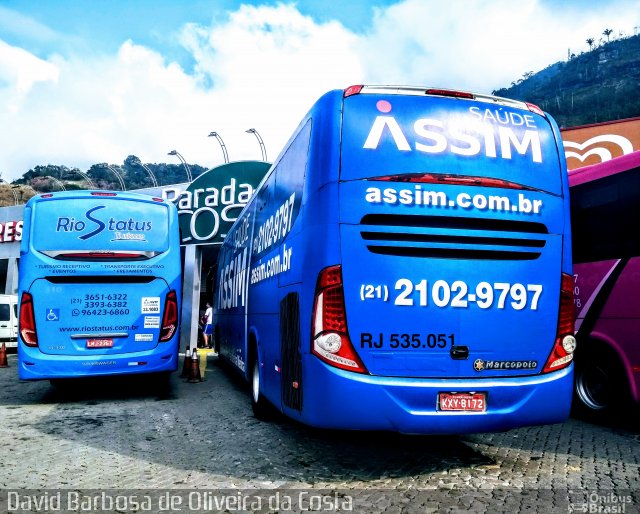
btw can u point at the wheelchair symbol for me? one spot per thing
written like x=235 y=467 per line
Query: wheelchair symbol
x=53 y=314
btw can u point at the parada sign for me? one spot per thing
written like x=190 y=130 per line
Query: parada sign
x=212 y=202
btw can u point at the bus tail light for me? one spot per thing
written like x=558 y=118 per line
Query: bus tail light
x=565 y=344
x=27 y=321
x=455 y=180
x=534 y=108
x=170 y=317
x=330 y=338
x=450 y=93
x=352 y=90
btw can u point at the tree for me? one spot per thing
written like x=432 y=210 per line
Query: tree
x=607 y=33
x=590 y=42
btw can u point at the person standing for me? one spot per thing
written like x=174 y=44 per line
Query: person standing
x=208 y=327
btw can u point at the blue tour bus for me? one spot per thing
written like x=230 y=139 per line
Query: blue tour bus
x=406 y=265
x=99 y=285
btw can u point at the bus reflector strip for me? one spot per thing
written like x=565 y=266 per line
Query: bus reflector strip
x=27 y=321
x=330 y=337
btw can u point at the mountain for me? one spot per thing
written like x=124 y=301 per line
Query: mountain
x=602 y=84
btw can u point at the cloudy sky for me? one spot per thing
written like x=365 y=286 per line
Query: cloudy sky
x=87 y=81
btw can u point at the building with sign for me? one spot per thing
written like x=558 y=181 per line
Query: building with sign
x=592 y=144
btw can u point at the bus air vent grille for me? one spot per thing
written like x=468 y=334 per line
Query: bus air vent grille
x=453 y=237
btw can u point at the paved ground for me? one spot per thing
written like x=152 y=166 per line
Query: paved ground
x=200 y=442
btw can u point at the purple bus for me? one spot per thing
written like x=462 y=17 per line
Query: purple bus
x=605 y=210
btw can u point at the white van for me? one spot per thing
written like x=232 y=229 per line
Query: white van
x=9 y=319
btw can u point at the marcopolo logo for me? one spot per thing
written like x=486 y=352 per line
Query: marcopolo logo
x=92 y=225
x=482 y=365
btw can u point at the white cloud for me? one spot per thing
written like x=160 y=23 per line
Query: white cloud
x=479 y=45
x=21 y=70
x=263 y=67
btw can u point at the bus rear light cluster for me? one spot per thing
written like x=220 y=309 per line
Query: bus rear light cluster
x=456 y=180
x=565 y=343
x=170 y=317
x=330 y=337
x=352 y=90
x=27 y=322
x=534 y=108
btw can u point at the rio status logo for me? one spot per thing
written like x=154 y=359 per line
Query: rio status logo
x=122 y=229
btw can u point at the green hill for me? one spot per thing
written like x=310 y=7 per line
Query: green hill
x=600 y=85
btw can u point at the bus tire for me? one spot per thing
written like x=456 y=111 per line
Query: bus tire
x=61 y=384
x=216 y=339
x=259 y=404
x=600 y=386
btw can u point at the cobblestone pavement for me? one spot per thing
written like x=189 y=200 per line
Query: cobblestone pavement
x=196 y=437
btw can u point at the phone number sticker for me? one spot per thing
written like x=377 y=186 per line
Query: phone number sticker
x=104 y=312
x=105 y=297
x=458 y=294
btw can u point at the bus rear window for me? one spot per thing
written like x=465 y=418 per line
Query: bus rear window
x=412 y=136
x=99 y=229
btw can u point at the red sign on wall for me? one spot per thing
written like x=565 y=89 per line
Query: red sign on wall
x=593 y=144
x=10 y=231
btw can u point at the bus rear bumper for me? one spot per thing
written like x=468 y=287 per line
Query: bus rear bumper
x=35 y=365
x=343 y=400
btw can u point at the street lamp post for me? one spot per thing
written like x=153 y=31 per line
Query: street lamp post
x=87 y=178
x=15 y=195
x=260 y=142
x=138 y=162
x=184 y=163
x=224 y=148
x=115 y=172
x=57 y=182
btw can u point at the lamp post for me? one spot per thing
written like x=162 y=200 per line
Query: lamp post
x=57 y=182
x=260 y=142
x=15 y=195
x=224 y=148
x=87 y=178
x=184 y=163
x=115 y=172
x=138 y=162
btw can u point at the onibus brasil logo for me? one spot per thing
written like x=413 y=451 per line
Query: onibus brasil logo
x=123 y=229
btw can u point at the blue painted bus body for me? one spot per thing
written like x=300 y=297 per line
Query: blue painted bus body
x=400 y=268
x=99 y=286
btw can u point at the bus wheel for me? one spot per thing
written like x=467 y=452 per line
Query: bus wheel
x=259 y=404
x=599 y=383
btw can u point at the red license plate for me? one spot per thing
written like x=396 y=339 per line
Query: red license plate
x=467 y=402
x=99 y=343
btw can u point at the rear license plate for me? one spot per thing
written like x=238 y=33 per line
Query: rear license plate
x=467 y=402
x=99 y=343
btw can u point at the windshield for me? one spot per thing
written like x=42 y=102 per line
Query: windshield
x=100 y=224
x=396 y=135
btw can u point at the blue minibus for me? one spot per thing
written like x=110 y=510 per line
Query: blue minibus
x=99 y=285
x=405 y=265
